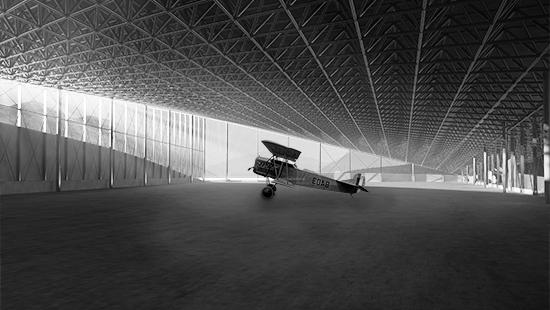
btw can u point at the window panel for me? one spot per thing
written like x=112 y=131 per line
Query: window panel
x=309 y=158
x=335 y=162
x=216 y=144
x=242 y=151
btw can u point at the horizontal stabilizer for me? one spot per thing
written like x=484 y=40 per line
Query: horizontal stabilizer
x=350 y=188
x=281 y=151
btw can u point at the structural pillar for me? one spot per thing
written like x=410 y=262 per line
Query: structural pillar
x=319 y=157
x=474 y=170
x=546 y=137
x=413 y=177
x=111 y=145
x=145 y=148
x=58 y=144
x=522 y=172
x=485 y=170
x=18 y=123
x=380 y=168
x=169 y=146
x=504 y=161
x=226 y=151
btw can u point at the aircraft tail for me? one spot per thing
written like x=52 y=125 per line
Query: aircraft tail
x=360 y=182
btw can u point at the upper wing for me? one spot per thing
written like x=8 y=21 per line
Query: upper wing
x=281 y=151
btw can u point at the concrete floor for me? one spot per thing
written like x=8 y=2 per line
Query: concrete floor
x=222 y=246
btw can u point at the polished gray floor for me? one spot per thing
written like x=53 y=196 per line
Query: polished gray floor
x=222 y=246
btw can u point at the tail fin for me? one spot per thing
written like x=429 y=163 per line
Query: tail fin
x=357 y=179
x=360 y=182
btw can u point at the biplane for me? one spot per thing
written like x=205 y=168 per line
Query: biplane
x=281 y=169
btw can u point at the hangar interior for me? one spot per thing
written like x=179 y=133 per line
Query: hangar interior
x=127 y=129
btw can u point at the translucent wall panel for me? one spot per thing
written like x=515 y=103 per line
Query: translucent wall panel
x=309 y=159
x=242 y=151
x=364 y=162
x=271 y=136
x=32 y=107
x=8 y=101
x=51 y=97
x=74 y=104
x=335 y=162
x=119 y=125
x=93 y=111
x=216 y=146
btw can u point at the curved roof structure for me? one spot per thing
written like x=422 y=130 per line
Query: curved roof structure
x=427 y=81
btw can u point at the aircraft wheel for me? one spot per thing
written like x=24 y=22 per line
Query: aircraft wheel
x=268 y=192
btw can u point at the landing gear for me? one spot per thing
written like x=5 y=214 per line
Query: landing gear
x=269 y=190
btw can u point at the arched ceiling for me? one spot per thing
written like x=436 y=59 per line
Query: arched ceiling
x=427 y=81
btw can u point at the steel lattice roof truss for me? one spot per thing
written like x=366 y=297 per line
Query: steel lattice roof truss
x=430 y=82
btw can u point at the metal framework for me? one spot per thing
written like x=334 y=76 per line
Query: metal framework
x=426 y=81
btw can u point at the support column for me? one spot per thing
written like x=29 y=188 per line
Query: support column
x=546 y=137
x=111 y=142
x=44 y=135
x=145 y=148
x=192 y=136
x=349 y=162
x=169 y=146
x=65 y=139
x=498 y=168
x=84 y=137
x=204 y=150
x=504 y=161
x=99 y=140
x=18 y=123
x=485 y=168
x=413 y=177
x=320 y=163
x=513 y=171
x=380 y=168
x=226 y=151
x=125 y=135
x=474 y=170
x=58 y=144
x=522 y=172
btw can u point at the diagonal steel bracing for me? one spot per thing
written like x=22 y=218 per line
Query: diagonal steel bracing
x=310 y=49
x=416 y=68
x=488 y=34
x=259 y=46
x=497 y=103
x=369 y=74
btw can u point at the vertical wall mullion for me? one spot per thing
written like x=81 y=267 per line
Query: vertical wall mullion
x=18 y=123
x=227 y=151
x=99 y=139
x=320 y=163
x=169 y=146
x=84 y=137
x=192 y=146
x=44 y=133
x=204 y=150
x=65 y=138
x=145 y=148
x=58 y=144
x=153 y=141
x=125 y=135
x=111 y=144
x=136 y=108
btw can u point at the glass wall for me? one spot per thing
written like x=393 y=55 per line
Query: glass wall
x=189 y=145
x=169 y=138
x=232 y=148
